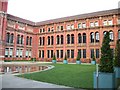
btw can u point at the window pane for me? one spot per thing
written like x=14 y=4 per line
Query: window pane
x=72 y=53
x=61 y=53
x=84 y=53
x=92 y=53
x=79 y=52
x=68 y=53
x=97 y=53
x=6 y=52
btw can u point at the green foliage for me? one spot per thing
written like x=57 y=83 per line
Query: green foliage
x=54 y=57
x=117 y=54
x=65 y=58
x=106 y=61
x=93 y=59
x=78 y=56
x=33 y=59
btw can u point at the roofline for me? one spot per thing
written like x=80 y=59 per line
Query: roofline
x=63 y=19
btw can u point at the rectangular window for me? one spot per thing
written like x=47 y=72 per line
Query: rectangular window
x=68 y=53
x=61 y=53
x=11 y=52
x=6 y=52
x=39 y=53
x=48 y=53
x=79 y=25
x=110 y=22
x=61 y=27
x=72 y=26
x=118 y=21
x=17 y=52
x=92 y=53
x=91 y=24
x=48 y=29
x=42 y=53
x=97 y=53
x=57 y=53
x=79 y=52
x=30 y=54
x=96 y=24
x=21 y=53
x=105 y=22
x=68 y=27
x=84 y=53
x=84 y=25
x=27 y=53
x=72 y=53
x=51 y=53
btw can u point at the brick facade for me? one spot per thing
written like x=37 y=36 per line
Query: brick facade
x=21 y=39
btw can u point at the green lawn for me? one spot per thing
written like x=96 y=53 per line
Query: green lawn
x=72 y=75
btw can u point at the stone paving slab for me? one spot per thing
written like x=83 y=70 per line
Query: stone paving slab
x=11 y=81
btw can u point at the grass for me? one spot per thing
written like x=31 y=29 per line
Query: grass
x=72 y=75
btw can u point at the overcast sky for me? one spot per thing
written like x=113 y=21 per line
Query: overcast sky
x=41 y=10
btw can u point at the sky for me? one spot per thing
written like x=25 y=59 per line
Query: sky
x=41 y=10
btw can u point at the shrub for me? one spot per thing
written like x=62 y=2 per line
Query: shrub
x=117 y=54
x=93 y=59
x=33 y=59
x=65 y=58
x=54 y=57
x=106 y=61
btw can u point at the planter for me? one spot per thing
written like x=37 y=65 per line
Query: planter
x=54 y=61
x=78 y=62
x=65 y=61
x=117 y=72
x=93 y=62
x=105 y=80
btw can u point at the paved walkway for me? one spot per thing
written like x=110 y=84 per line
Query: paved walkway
x=11 y=81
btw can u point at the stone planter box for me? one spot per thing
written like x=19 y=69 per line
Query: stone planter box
x=54 y=61
x=93 y=62
x=78 y=62
x=105 y=80
x=117 y=72
x=65 y=62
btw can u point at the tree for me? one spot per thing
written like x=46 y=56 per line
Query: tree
x=117 y=54
x=78 y=56
x=106 y=61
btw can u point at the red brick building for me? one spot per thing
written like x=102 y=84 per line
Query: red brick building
x=21 y=39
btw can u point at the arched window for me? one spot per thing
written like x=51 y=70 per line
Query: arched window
x=92 y=37
x=58 y=39
x=52 y=40
x=68 y=39
x=104 y=33
x=12 y=37
x=30 y=40
x=22 y=39
x=79 y=38
x=40 y=40
x=62 y=39
x=48 y=40
x=7 y=37
x=18 y=38
x=119 y=35
x=111 y=36
x=97 y=37
x=84 y=37
x=72 y=39
x=27 y=40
